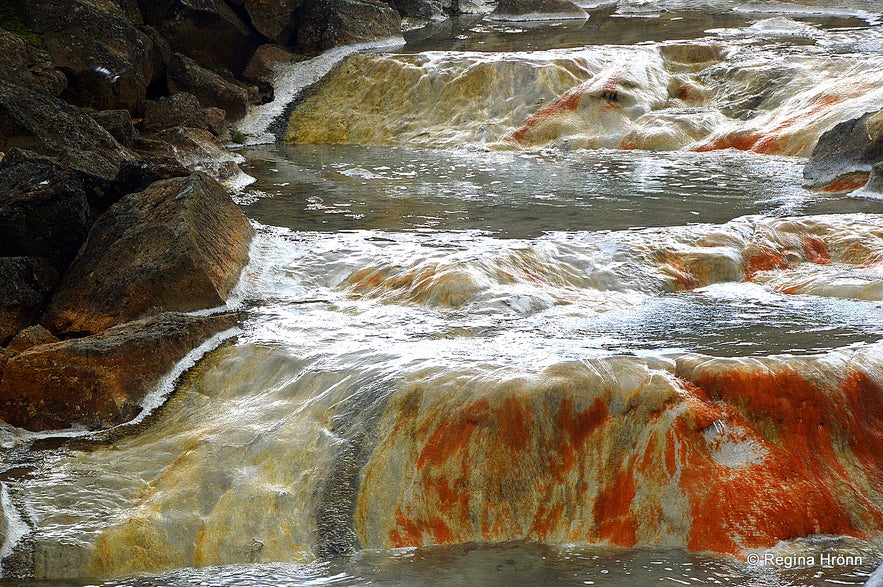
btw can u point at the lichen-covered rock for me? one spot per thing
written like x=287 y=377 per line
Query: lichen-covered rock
x=44 y=210
x=30 y=337
x=118 y=123
x=99 y=381
x=323 y=25
x=207 y=31
x=177 y=246
x=186 y=75
x=538 y=8
x=25 y=65
x=25 y=285
x=36 y=121
x=106 y=59
x=842 y=159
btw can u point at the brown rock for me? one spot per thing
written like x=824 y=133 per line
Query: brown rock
x=262 y=66
x=107 y=60
x=199 y=150
x=156 y=160
x=179 y=245
x=25 y=285
x=30 y=337
x=180 y=109
x=271 y=18
x=25 y=65
x=207 y=31
x=185 y=75
x=557 y=8
x=99 y=381
x=216 y=119
x=323 y=25
x=118 y=123
x=49 y=126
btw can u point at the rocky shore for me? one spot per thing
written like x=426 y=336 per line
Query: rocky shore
x=114 y=220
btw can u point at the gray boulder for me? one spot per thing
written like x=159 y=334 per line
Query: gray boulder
x=843 y=157
x=323 y=25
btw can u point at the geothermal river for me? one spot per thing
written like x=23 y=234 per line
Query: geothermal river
x=529 y=304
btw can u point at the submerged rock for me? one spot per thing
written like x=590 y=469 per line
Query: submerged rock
x=177 y=246
x=27 y=66
x=25 y=285
x=99 y=381
x=323 y=25
x=842 y=159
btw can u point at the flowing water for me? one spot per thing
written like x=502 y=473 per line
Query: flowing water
x=529 y=303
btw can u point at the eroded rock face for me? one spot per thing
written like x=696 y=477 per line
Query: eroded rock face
x=25 y=65
x=30 y=337
x=106 y=59
x=99 y=381
x=50 y=126
x=25 y=285
x=842 y=159
x=177 y=246
x=323 y=25
x=186 y=75
x=44 y=210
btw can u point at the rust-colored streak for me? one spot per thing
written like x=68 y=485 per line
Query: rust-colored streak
x=453 y=435
x=846 y=183
x=516 y=419
x=766 y=260
x=815 y=250
x=566 y=103
x=612 y=511
x=573 y=431
x=800 y=487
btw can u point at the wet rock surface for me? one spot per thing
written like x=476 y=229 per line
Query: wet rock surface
x=524 y=8
x=322 y=25
x=842 y=159
x=179 y=245
x=99 y=381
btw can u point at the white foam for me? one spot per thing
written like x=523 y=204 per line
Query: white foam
x=291 y=80
x=16 y=528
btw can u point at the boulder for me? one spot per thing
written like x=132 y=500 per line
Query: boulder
x=99 y=381
x=199 y=150
x=263 y=64
x=177 y=246
x=30 y=337
x=843 y=157
x=180 y=109
x=49 y=126
x=526 y=9
x=208 y=31
x=323 y=25
x=156 y=160
x=185 y=75
x=97 y=44
x=25 y=65
x=25 y=285
x=118 y=123
x=44 y=210
x=271 y=18
x=419 y=8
